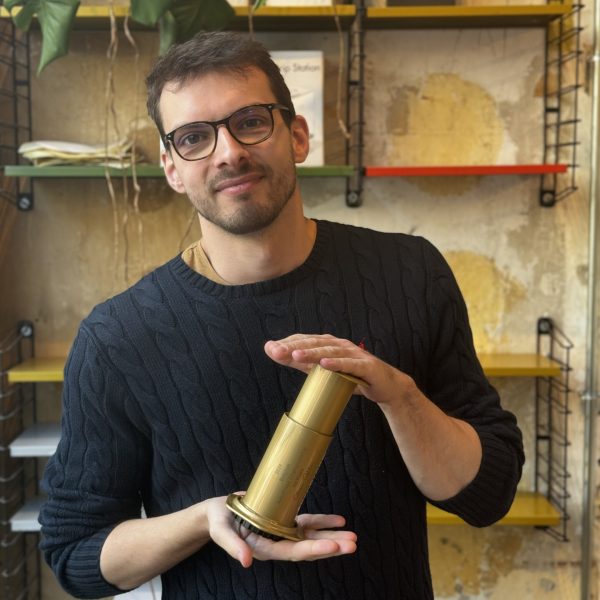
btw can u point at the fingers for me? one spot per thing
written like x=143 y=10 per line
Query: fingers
x=325 y=544
x=225 y=532
x=302 y=351
x=241 y=544
x=319 y=521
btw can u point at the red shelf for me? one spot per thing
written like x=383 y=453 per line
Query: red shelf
x=441 y=171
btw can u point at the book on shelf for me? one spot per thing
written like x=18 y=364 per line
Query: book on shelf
x=303 y=71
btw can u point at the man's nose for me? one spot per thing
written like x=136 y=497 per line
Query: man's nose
x=228 y=149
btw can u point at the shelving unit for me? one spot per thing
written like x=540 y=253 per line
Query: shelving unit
x=546 y=505
x=19 y=559
x=265 y=18
x=561 y=21
x=15 y=96
x=552 y=424
x=529 y=508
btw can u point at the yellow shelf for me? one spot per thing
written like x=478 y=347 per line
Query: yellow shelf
x=494 y=365
x=321 y=17
x=37 y=370
x=268 y=18
x=518 y=365
x=529 y=508
x=426 y=17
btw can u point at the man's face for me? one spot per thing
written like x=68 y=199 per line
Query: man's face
x=241 y=189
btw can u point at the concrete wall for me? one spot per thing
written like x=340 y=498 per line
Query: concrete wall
x=432 y=97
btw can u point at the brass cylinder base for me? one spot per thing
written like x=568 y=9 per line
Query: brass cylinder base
x=262 y=525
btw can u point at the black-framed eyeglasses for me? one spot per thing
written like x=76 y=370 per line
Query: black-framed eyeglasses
x=249 y=125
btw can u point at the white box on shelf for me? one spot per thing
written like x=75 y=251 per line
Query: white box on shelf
x=303 y=71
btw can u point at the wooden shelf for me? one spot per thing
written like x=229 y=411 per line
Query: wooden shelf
x=464 y=170
x=494 y=365
x=41 y=439
x=145 y=171
x=37 y=370
x=529 y=508
x=430 y=17
x=518 y=365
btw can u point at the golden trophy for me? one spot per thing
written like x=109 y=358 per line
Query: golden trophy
x=293 y=456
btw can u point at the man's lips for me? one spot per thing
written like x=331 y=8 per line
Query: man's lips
x=234 y=185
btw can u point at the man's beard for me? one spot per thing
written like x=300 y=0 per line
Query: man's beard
x=250 y=216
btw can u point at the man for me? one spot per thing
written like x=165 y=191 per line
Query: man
x=173 y=388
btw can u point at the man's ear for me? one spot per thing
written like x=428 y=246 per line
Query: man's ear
x=171 y=173
x=300 y=146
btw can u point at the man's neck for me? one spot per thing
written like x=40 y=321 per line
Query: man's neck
x=275 y=251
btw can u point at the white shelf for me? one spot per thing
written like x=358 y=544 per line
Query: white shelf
x=26 y=518
x=40 y=439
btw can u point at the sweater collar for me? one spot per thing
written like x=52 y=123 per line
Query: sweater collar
x=200 y=283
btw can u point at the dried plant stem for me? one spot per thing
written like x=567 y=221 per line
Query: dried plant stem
x=110 y=111
x=251 y=18
x=136 y=186
x=340 y=82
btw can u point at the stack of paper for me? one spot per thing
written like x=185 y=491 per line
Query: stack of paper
x=48 y=153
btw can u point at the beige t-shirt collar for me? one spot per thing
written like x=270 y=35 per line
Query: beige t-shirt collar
x=195 y=258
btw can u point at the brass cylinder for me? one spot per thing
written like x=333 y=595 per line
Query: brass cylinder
x=293 y=456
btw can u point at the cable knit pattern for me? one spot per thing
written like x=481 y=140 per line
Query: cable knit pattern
x=169 y=399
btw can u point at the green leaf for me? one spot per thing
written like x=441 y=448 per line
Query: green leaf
x=10 y=4
x=56 y=20
x=166 y=32
x=148 y=12
x=192 y=16
x=23 y=18
x=257 y=4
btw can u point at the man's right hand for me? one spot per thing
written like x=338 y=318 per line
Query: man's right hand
x=137 y=550
x=321 y=541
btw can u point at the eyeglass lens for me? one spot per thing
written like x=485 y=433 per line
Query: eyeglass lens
x=249 y=125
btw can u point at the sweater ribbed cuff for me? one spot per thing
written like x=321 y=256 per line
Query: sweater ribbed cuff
x=83 y=569
x=495 y=480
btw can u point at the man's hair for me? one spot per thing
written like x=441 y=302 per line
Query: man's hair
x=213 y=52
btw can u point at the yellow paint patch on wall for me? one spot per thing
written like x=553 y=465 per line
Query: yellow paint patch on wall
x=489 y=293
x=447 y=121
x=470 y=562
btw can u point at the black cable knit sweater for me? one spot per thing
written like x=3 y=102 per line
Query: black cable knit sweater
x=169 y=399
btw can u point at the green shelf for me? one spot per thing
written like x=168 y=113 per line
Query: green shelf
x=145 y=171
